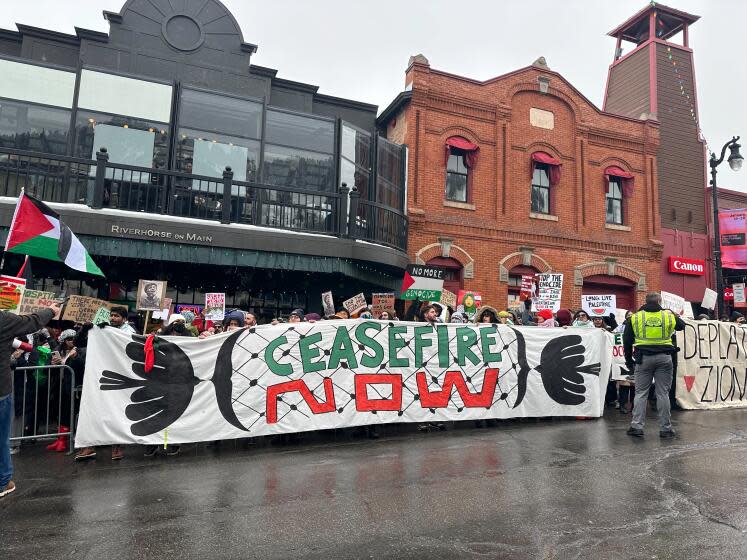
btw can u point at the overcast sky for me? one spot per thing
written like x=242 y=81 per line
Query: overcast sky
x=359 y=49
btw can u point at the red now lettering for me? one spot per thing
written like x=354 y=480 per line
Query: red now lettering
x=274 y=391
x=440 y=398
x=364 y=404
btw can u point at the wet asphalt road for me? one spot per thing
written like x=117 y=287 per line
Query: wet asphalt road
x=549 y=489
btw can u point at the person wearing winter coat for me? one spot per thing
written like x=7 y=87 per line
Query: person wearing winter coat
x=486 y=314
x=581 y=319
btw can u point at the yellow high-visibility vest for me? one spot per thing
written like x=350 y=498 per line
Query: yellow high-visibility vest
x=653 y=328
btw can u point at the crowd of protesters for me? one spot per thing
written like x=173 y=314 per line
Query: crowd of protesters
x=35 y=341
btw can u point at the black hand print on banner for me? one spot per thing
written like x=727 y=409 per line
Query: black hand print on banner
x=560 y=368
x=163 y=394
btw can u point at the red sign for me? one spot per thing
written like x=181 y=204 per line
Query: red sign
x=728 y=294
x=680 y=265
x=527 y=287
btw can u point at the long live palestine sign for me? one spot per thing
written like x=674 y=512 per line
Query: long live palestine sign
x=281 y=379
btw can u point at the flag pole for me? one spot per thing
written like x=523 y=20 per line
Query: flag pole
x=23 y=267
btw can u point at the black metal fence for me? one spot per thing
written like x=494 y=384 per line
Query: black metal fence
x=103 y=184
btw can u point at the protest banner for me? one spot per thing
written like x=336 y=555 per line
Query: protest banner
x=34 y=300
x=599 y=305
x=449 y=299
x=617 y=360
x=469 y=301
x=215 y=306
x=423 y=283
x=150 y=295
x=549 y=292
x=81 y=309
x=380 y=302
x=102 y=316
x=709 y=299
x=740 y=300
x=712 y=365
x=328 y=304
x=355 y=304
x=673 y=302
x=335 y=374
x=11 y=293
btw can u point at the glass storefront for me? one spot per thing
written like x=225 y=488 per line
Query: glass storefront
x=34 y=127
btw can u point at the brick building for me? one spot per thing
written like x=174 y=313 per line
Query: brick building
x=522 y=174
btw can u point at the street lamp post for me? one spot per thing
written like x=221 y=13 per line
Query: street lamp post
x=735 y=162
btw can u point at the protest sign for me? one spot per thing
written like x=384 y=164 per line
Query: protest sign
x=709 y=299
x=527 y=287
x=470 y=302
x=599 y=305
x=163 y=315
x=402 y=372
x=34 y=300
x=449 y=299
x=423 y=283
x=688 y=311
x=215 y=306
x=328 y=304
x=549 y=292
x=380 y=302
x=617 y=360
x=11 y=293
x=673 y=302
x=150 y=295
x=739 y=295
x=712 y=365
x=81 y=309
x=355 y=304
x=514 y=301
x=102 y=316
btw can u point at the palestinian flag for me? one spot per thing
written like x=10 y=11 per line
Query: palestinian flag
x=37 y=230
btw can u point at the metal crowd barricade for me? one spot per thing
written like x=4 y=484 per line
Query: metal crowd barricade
x=38 y=409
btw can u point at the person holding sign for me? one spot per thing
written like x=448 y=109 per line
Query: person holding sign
x=651 y=330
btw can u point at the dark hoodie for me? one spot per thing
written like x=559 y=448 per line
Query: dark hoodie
x=12 y=326
x=629 y=338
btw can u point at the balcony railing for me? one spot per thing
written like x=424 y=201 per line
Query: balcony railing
x=102 y=184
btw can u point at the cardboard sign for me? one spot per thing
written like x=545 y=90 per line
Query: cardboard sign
x=11 y=293
x=599 y=306
x=709 y=299
x=328 y=304
x=215 y=306
x=34 y=300
x=673 y=302
x=470 y=302
x=380 y=302
x=102 y=316
x=549 y=292
x=150 y=295
x=739 y=295
x=81 y=309
x=355 y=304
x=449 y=299
x=527 y=287
x=423 y=283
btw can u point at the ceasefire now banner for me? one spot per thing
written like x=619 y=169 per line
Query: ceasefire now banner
x=293 y=378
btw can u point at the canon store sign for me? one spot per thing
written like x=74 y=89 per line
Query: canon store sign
x=680 y=265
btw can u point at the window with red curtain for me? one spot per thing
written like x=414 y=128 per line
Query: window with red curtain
x=626 y=179
x=461 y=159
x=552 y=165
x=618 y=185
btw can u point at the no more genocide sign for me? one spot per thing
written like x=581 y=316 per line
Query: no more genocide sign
x=423 y=283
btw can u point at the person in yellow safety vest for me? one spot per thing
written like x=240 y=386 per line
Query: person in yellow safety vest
x=649 y=351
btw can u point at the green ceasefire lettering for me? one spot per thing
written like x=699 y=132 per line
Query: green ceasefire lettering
x=466 y=339
x=395 y=344
x=342 y=349
x=421 y=343
x=276 y=368
x=486 y=342
x=308 y=353
x=368 y=341
x=443 y=346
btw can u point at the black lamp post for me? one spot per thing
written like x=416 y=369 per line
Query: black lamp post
x=735 y=162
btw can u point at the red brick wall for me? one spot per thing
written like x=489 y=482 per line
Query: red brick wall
x=495 y=116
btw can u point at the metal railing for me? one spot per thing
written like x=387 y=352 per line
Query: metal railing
x=44 y=404
x=103 y=184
